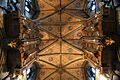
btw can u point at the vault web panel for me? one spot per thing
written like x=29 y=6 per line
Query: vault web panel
x=44 y=6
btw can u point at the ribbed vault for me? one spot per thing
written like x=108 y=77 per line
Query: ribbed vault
x=69 y=37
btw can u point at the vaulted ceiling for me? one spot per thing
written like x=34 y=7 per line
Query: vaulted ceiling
x=68 y=39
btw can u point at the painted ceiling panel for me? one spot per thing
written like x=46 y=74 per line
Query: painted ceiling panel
x=45 y=6
x=45 y=43
x=71 y=27
x=80 y=14
x=77 y=64
x=53 y=3
x=46 y=36
x=45 y=14
x=45 y=65
x=67 y=18
x=75 y=34
x=45 y=74
x=51 y=59
x=51 y=19
x=53 y=30
x=76 y=73
x=67 y=59
x=53 y=48
x=77 y=4
x=67 y=48
x=53 y=76
x=66 y=2
x=66 y=76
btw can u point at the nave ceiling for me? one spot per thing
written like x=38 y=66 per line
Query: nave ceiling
x=68 y=39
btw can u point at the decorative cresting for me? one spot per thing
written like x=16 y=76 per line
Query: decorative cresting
x=69 y=38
